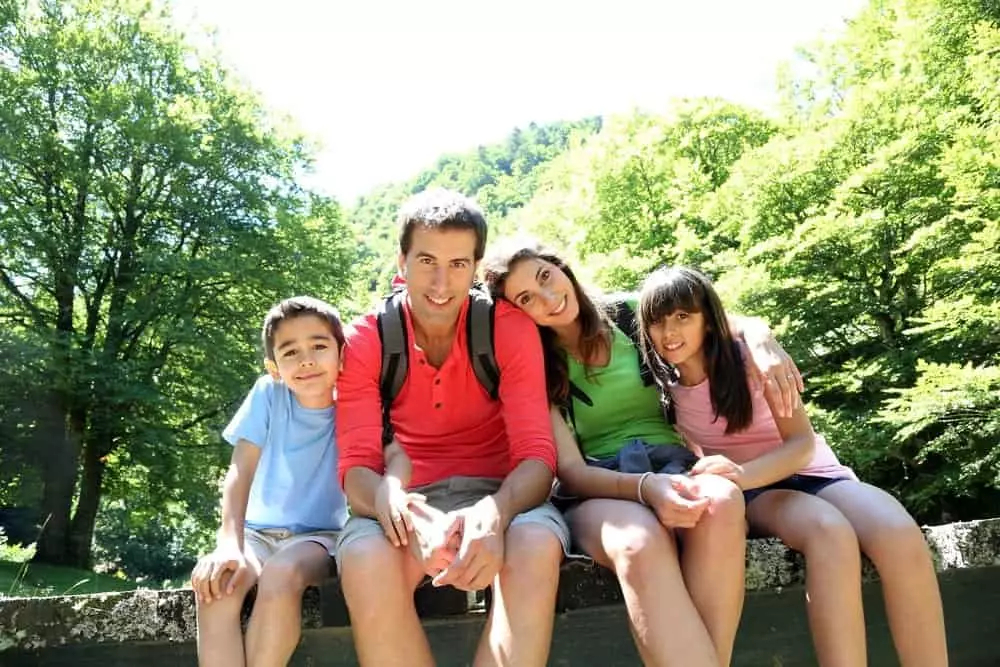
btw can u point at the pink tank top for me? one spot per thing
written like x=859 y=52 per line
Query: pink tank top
x=696 y=422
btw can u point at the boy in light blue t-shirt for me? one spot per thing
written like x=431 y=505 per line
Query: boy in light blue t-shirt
x=281 y=504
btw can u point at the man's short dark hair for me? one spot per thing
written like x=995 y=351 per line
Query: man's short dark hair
x=299 y=306
x=439 y=208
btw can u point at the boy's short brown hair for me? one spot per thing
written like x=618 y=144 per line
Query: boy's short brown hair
x=298 y=306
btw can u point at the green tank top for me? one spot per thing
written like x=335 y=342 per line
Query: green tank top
x=624 y=408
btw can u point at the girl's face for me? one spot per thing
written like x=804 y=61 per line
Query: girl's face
x=543 y=291
x=678 y=337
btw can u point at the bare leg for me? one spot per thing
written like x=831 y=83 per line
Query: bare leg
x=824 y=536
x=519 y=628
x=276 y=622
x=713 y=559
x=626 y=537
x=896 y=546
x=378 y=581
x=220 y=636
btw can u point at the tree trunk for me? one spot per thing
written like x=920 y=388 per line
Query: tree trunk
x=59 y=479
x=81 y=534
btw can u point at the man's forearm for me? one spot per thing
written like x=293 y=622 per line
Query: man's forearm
x=526 y=487
x=360 y=484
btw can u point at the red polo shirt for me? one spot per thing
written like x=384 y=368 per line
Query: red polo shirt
x=443 y=418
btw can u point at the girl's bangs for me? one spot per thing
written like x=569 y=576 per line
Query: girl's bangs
x=666 y=292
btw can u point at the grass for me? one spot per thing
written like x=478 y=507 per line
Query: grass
x=25 y=579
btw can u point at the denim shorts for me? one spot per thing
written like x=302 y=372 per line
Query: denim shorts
x=810 y=484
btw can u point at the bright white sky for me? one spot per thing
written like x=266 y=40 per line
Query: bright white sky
x=386 y=86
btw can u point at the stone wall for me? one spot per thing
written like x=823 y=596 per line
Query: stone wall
x=115 y=628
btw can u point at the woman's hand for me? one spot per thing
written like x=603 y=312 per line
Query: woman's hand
x=674 y=499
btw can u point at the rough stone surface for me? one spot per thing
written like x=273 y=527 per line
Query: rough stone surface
x=169 y=616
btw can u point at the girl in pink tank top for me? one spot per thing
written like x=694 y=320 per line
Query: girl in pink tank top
x=795 y=487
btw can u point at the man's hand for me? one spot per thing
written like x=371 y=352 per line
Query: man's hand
x=480 y=555
x=219 y=573
x=721 y=466
x=437 y=535
x=776 y=371
x=392 y=508
x=675 y=500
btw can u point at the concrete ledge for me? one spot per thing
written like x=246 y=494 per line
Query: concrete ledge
x=33 y=625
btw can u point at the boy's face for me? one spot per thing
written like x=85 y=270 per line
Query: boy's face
x=307 y=359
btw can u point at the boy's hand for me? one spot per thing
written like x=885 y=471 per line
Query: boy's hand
x=392 y=508
x=219 y=573
x=675 y=500
x=721 y=466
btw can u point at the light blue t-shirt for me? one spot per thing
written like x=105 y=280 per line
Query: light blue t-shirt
x=295 y=486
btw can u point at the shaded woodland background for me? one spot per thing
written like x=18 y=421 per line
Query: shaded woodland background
x=151 y=210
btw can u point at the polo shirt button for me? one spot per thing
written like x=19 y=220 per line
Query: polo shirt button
x=437 y=381
x=437 y=405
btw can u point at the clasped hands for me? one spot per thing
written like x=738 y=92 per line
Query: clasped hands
x=677 y=500
x=462 y=548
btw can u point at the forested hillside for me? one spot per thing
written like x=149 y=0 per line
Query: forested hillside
x=862 y=220
x=502 y=177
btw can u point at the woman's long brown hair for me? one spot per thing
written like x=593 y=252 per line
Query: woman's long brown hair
x=595 y=325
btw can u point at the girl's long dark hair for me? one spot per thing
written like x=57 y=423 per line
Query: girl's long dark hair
x=594 y=322
x=680 y=288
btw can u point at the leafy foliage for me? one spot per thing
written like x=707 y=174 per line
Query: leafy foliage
x=149 y=215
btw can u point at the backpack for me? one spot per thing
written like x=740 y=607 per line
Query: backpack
x=479 y=327
x=623 y=317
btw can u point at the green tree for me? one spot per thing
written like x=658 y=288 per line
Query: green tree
x=149 y=214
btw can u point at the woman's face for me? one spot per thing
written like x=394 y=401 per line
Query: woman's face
x=543 y=291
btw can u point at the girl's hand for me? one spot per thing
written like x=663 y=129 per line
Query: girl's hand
x=721 y=466
x=674 y=499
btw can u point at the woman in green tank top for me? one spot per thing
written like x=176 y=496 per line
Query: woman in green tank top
x=683 y=605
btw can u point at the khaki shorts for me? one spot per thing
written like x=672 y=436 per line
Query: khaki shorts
x=266 y=542
x=455 y=493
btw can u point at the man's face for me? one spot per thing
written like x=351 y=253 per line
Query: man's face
x=439 y=270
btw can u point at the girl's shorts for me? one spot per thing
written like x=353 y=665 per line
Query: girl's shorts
x=810 y=484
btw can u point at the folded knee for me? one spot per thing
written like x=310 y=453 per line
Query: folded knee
x=633 y=547
x=532 y=548
x=899 y=543
x=830 y=536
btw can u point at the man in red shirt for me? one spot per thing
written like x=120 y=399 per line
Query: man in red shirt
x=489 y=463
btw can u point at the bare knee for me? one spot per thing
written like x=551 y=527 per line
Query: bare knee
x=373 y=574
x=221 y=610
x=532 y=554
x=898 y=543
x=831 y=539
x=280 y=580
x=727 y=506
x=635 y=547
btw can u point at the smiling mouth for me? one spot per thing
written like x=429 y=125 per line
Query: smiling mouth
x=439 y=301
x=311 y=376
x=672 y=347
x=561 y=307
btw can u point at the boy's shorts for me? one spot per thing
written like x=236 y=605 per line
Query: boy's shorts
x=455 y=493
x=264 y=543
x=811 y=484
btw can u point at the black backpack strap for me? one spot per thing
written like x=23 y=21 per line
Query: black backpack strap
x=624 y=318
x=479 y=331
x=395 y=356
